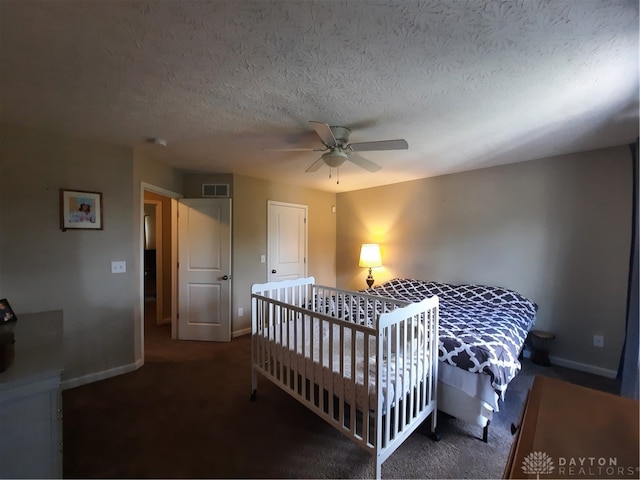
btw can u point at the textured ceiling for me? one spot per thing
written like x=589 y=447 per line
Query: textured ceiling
x=468 y=84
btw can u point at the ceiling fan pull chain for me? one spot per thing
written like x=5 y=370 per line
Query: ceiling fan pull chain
x=338 y=175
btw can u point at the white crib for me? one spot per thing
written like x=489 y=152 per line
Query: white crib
x=367 y=365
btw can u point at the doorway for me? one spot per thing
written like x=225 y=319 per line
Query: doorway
x=159 y=325
x=157 y=271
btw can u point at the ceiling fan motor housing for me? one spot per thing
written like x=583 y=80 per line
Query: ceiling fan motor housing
x=341 y=134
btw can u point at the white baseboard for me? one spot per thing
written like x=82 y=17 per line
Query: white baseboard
x=104 y=374
x=239 y=333
x=581 y=367
x=113 y=372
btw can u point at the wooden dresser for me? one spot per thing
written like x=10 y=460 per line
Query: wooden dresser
x=569 y=431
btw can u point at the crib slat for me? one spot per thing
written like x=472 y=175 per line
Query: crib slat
x=341 y=396
x=321 y=325
x=401 y=356
x=352 y=399
x=387 y=364
x=366 y=382
x=331 y=370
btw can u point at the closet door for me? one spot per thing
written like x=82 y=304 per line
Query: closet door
x=287 y=241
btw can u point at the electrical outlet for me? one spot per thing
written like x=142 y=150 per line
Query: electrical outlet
x=240 y=311
x=118 y=267
x=598 y=341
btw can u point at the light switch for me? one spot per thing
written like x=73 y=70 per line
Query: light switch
x=263 y=259
x=118 y=267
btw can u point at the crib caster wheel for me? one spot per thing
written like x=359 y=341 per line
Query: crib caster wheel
x=435 y=436
x=254 y=396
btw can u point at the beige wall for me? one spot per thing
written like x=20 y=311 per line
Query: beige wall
x=250 y=237
x=557 y=230
x=249 y=230
x=157 y=174
x=44 y=268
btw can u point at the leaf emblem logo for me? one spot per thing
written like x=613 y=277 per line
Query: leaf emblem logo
x=537 y=463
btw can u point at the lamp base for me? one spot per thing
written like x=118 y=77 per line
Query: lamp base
x=370 y=279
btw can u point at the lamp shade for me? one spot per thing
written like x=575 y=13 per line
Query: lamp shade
x=370 y=255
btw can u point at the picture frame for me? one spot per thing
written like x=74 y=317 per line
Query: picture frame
x=80 y=210
x=6 y=312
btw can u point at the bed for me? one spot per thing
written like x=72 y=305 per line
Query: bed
x=483 y=330
x=365 y=364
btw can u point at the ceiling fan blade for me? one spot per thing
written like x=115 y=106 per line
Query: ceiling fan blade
x=364 y=163
x=315 y=165
x=293 y=149
x=398 y=144
x=324 y=132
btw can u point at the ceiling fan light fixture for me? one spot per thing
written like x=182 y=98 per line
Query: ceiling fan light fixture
x=334 y=158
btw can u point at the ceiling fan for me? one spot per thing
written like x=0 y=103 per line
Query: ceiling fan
x=338 y=149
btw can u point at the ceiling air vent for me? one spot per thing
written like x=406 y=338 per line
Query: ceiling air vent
x=215 y=190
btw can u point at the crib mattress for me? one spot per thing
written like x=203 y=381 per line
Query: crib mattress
x=324 y=358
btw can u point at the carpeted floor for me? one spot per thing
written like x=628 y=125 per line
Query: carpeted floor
x=186 y=414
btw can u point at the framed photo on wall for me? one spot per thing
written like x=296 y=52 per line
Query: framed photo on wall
x=6 y=312
x=80 y=210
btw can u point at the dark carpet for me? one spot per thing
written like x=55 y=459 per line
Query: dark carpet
x=186 y=414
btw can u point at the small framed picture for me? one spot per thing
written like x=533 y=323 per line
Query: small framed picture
x=6 y=312
x=80 y=210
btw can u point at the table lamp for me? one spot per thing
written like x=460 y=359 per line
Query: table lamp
x=370 y=258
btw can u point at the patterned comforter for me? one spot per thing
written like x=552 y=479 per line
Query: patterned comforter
x=482 y=328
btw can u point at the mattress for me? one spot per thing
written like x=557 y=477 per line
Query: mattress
x=472 y=385
x=482 y=328
x=327 y=350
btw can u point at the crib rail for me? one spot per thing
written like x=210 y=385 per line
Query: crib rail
x=364 y=363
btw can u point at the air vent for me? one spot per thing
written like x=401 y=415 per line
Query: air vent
x=215 y=190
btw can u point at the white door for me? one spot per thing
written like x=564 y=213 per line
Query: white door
x=287 y=241
x=204 y=269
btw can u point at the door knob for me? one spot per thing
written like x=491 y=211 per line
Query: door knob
x=274 y=271
x=225 y=277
